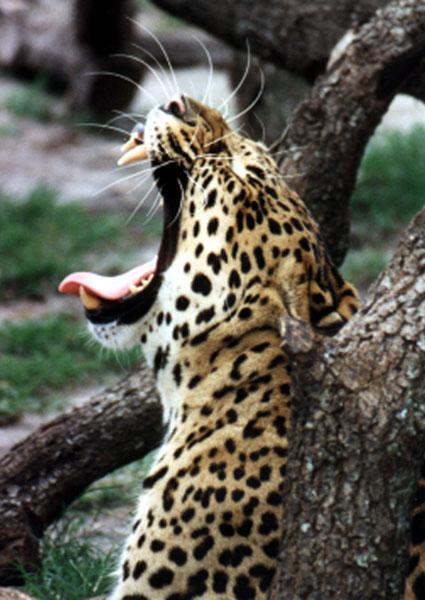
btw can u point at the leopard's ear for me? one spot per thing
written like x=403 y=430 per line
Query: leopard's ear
x=332 y=303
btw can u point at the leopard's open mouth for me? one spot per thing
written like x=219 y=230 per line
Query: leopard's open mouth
x=128 y=297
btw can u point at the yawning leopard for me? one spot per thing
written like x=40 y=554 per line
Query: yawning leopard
x=239 y=251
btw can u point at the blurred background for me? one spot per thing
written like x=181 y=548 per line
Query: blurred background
x=74 y=79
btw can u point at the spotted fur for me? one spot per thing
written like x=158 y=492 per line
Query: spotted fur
x=246 y=253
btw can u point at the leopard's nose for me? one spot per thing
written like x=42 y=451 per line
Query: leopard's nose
x=176 y=106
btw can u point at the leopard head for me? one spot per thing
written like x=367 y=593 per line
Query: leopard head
x=223 y=241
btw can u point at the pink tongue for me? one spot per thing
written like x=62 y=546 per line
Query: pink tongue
x=108 y=288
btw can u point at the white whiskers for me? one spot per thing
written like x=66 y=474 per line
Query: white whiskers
x=164 y=53
x=206 y=97
x=140 y=204
x=148 y=66
x=198 y=185
x=225 y=102
x=160 y=67
x=254 y=102
x=141 y=88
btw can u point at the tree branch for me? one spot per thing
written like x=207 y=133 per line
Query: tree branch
x=327 y=134
x=298 y=36
x=42 y=475
x=357 y=441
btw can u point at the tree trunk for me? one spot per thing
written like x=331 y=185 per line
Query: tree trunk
x=42 y=475
x=356 y=442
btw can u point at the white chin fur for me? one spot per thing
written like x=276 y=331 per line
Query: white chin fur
x=122 y=337
x=156 y=118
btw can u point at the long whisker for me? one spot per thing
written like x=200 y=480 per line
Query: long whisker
x=104 y=126
x=164 y=52
x=223 y=137
x=276 y=143
x=148 y=66
x=133 y=116
x=128 y=80
x=253 y=103
x=159 y=65
x=207 y=93
x=198 y=185
x=262 y=126
x=143 y=179
x=140 y=203
x=121 y=168
x=285 y=150
x=242 y=80
x=121 y=180
x=120 y=114
x=213 y=157
x=155 y=206
x=179 y=210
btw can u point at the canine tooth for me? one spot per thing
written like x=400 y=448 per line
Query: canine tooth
x=133 y=154
x=136 y=288
x=90 y=302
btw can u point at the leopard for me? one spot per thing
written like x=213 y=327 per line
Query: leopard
x=239 y=253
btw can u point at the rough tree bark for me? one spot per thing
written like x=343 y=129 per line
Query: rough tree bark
x=357 y=420
x=42 y=475
x=326 y=137
x=357 y=441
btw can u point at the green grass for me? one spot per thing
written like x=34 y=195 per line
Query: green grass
x=73 y=566
x=391 y=183
x=120 y=488
x=72 y=569
x=8 y=130
x=31 y=101
x=362 y=267
x=390 y=191
x=41 y=242
x=41 y=358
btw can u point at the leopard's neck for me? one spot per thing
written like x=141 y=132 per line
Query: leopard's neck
x=222 y=365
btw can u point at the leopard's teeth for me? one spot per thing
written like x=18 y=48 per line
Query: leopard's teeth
x=90 y=302
x=138 y=288
x=132 y=154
